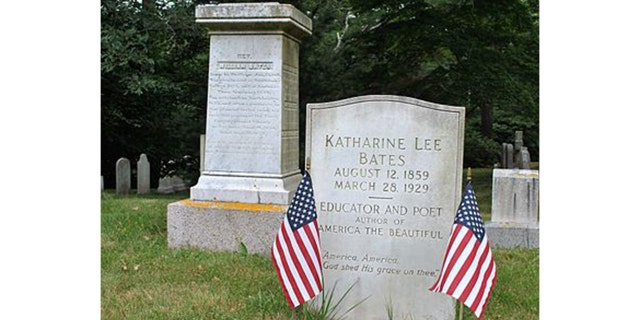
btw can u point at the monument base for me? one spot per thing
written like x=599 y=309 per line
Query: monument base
x=223 y=226
x=513 y=235
x=246 y=189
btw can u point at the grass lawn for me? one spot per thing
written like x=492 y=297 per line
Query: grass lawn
x=142 y=279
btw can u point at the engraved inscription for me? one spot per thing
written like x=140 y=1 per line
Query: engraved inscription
x=385 y=194
x=246 y=112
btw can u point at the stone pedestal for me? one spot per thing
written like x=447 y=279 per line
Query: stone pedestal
x=251 y=152
x=223 y=226
x=514 y=216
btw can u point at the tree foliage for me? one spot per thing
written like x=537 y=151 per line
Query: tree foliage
x=482 y=55
x=154 y=82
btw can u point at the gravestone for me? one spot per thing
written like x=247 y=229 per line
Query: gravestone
x=509 y=156
x=387 y=173
x=144 y=175
x=518 y=141
x=523 y=159
x=165 y=185
x=251 y=152
x=514 y=209
x=171 y=184
x=503 y=156
x=250 y=168
x=101 y=183
x=123 y=176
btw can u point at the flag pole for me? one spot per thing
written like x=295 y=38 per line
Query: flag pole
x=460 y=302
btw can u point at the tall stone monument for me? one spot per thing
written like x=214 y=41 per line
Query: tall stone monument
x=251 y=151
x=387 y=174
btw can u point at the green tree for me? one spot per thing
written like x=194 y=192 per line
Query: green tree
x=479 y=54
x=153 y=82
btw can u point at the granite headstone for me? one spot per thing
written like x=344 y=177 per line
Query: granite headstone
x=144 y=175
x=123 y=176
x=387 y=173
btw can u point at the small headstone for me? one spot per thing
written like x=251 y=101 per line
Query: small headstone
x=526 y=158
x=123 y=176
x=523 y=159
x=178 y=184
x=509 y=156
x=171 y=184
x=386 y=196
x=101 y=183
x=144 y=178
x=514 y=209
x=503 y=156
x=514 y=196
x=165 y=185
x=518 y=142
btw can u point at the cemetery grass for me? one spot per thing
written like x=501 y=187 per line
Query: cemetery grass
x=142 y=279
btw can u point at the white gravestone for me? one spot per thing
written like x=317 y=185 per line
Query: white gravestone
x=514 y=196
x=251 y=152
x=144 y=175
x=387 y=175
x=123 y=176
x=514 y=209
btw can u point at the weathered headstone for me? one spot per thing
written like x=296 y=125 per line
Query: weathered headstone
x=165 y=185
x=144 y=175
x=250 y=168
x=514 y=208
x=123 y=176
x=178 y=184
x=518 y=141
x=523 y=159
x=171 y=184
x=526 y=159
x=251 y=152
x=503 y=156
x=509 y=156
x=387 y=174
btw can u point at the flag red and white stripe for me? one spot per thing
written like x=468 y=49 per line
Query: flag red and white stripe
x=468 y=271
x=296 y=250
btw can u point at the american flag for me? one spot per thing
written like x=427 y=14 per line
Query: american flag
x=468 y=270
x=296 y=249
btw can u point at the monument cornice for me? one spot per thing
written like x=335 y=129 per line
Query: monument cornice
x=254 y=17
